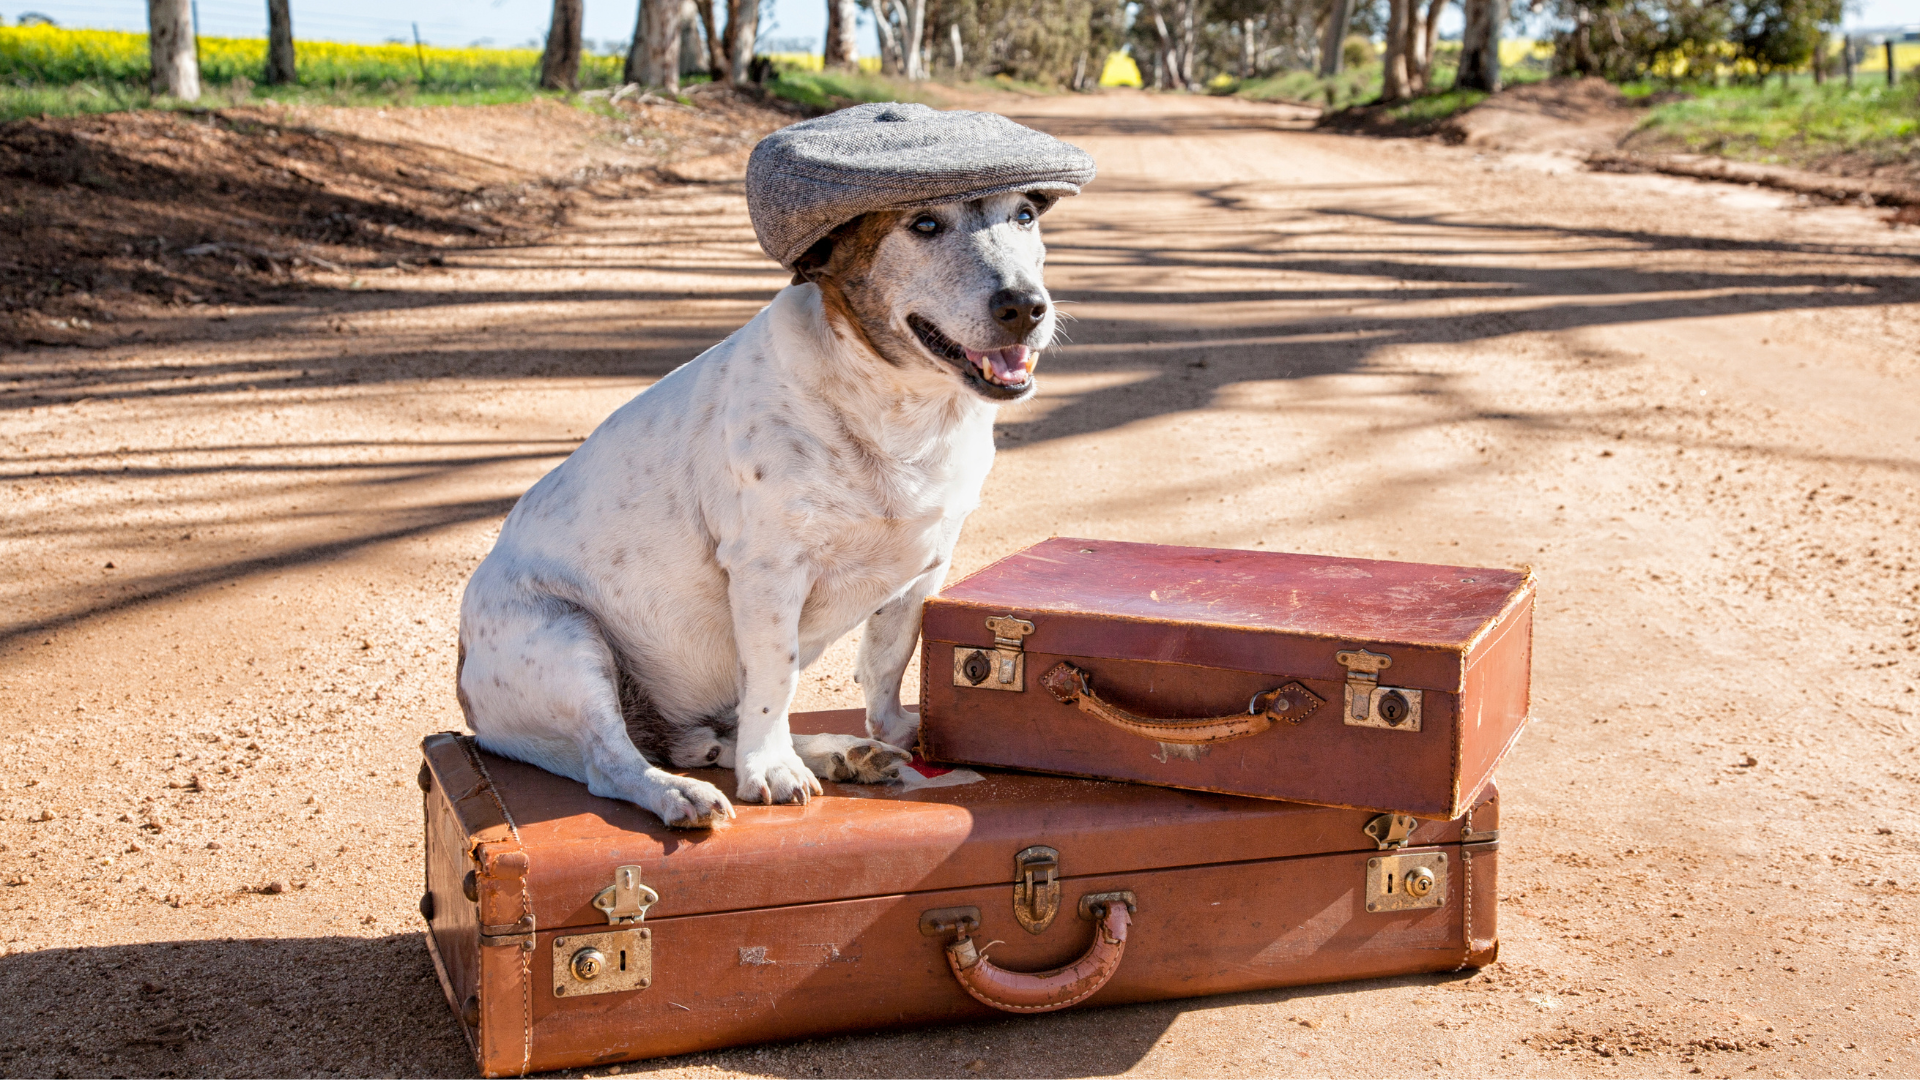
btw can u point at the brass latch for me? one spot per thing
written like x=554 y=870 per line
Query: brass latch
x=1368 y=703
x=1391 y=831
x=1003 y=667
x=626 y=900
x=1036 y=888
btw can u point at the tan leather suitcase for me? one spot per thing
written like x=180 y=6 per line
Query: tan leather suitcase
x=570 y=930
x=1345 y=682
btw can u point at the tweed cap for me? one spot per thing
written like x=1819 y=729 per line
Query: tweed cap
x=806 y=180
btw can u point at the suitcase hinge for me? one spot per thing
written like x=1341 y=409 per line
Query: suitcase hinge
x=1368 y=703
x=626 y=901
x=1003 y=667
x=1391 y=831
x=1036 y=888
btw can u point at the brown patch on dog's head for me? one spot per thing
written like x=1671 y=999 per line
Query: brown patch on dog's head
x=838 y=265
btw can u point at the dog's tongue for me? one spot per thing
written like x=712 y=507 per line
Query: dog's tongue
x=1008 y=366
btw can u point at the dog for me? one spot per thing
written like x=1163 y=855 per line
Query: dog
x=652 y=601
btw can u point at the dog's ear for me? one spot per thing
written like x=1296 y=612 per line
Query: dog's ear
x=815 y=259
x=846 y=250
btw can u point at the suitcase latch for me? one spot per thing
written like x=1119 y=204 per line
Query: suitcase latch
x=1368 y=703
x=1390 y=831
x=1003 y=667
x=1036 y=888
x=626 y=900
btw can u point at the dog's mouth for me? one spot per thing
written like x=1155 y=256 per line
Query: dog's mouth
x=997 y=373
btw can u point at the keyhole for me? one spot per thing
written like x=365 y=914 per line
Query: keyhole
x=977 y=667
x=623 y=959
x=1393 y=708
x=1389 y=884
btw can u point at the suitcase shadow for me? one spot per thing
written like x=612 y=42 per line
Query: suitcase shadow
x=1081 y=1042
x=268 y=1007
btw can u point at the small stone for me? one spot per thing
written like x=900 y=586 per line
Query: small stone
x=213 y=845
x=976 y=1065
x=44 y=815
x=274 y=888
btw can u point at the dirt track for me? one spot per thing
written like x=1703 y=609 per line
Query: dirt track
x=229 y=570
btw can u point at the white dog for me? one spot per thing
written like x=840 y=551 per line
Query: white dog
x=653 y=600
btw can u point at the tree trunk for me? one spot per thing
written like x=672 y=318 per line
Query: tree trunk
x=743 y=30
x=560 y=64
x=1434 y=8
x=717 y=66
x=1480 y=46
x=280 y=66
x=693 y=47
x=1416 y=48
x=1169 y=52
x=843 y=46
x=176 y=66
x=654 y=57
x=1332 y=45
x=1187 y=43
x=959 y=53
x=1393 y=83
x=1246 y=48
x=635 y=69
x=889 y=41
x=916 y=34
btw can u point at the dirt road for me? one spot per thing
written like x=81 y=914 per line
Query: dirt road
x=229 y=570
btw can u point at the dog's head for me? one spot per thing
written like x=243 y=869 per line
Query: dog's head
x=953 y=288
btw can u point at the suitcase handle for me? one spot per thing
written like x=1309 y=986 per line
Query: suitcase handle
x=1072 y=686
x=1046 y=991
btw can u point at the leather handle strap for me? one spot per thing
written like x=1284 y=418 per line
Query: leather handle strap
x=1044 y=991
x=1072 y=686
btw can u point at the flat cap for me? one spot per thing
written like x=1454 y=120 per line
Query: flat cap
x=805 y=180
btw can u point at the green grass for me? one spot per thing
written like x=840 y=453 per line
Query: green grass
x=1794 y=121
x=1433 y=108
x=1353 y=86
x=827 y=90
x=46 y=70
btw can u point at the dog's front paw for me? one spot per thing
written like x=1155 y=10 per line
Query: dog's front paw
x=776 y=778
x=686 y=803
x=850 y=758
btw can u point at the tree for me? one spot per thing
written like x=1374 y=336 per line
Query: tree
x=1393 y=80
x=1781 y=35
x=176 y=64
x=1333 y=44
x=743 y=32
x=280 y=66
x=560 y=63
x=654 y=57
x=842 y=46
x=717 y=58
x=1480 y=46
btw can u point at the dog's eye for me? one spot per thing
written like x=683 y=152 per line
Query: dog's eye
x=1025 y=217
x=926 y=224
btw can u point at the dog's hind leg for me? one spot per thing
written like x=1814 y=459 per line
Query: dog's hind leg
x=540 y=684
x=850 y=758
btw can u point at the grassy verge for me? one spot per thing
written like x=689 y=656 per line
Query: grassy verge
x=1361 y=85
x=825 y=91
x=50 y=71
x=1793 y=124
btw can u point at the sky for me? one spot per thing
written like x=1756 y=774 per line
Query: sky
x=507 y=23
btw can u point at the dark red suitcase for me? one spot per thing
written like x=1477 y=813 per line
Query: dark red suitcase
x=1346 y=682
x=570 y=930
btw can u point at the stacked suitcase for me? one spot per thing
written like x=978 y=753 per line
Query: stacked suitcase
x=1159 y=703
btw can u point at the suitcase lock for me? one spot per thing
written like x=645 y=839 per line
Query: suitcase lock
x=1036 y=888
x=1003 y=667
x=614 y=960
x=1368 y=703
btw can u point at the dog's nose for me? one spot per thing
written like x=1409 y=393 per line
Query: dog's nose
x=1018 y=310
